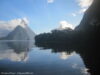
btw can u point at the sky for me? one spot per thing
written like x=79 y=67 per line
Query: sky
x=44 y=15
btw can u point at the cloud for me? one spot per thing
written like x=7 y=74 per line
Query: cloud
x=75 y=66
x=7 y=26
x=84 y=4
x=85 y=71
x=64 y=25
x=74 y=14
x=10 y=54
x=50 y=1
x=65 y=55
x=26 y=20
x=82 y=10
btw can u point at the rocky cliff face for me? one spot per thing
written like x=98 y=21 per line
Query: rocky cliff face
x=91 y=17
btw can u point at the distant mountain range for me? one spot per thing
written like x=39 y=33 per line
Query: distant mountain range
x=16 y=30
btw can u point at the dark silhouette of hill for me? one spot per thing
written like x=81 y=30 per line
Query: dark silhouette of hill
x=91 y=17
x=89 y=27
x=86 y=33
x=56 y=37
x=85 y=39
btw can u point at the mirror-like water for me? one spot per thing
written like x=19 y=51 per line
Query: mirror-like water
x=22 y=57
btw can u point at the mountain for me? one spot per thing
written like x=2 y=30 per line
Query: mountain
x=16 y=30
x=87 y=33
x=18 y=33
x=91 y=17
x=88 y=30
x=8 y=26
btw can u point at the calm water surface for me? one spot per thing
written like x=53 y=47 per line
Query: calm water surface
x=19 y=57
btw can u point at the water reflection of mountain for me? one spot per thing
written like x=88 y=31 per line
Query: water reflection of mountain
x=88 y=53
x=16 y=50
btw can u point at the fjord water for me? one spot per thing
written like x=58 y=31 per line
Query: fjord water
x=24 y=56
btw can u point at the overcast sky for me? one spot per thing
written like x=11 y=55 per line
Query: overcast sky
x=44 y=15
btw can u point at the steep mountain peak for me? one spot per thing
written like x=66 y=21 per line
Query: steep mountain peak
x=19 y=33
x=8 y=26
